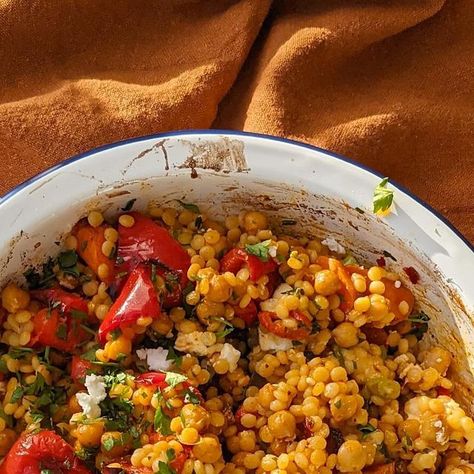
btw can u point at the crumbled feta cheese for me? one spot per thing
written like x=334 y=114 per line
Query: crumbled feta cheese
x=271 y=342
x=271 y=303
x=89 y=402
x=333 y=245
x=198 y=343
x=398 y=284
x=231 y=355
x=155 y=358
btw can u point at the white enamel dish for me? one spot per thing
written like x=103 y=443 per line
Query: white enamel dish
x=225 y=172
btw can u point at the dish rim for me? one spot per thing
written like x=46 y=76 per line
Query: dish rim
x=177 y=133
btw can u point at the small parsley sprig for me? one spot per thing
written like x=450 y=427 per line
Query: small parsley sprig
x=383 y=197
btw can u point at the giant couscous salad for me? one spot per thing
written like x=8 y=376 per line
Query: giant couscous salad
x=166 y=342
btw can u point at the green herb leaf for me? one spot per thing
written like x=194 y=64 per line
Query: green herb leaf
x=173 y=378
x=128 y=206
x=366 y=429
x=108 y=444
x=17 y=394
x=315 y=327
x=80 y=315
x=67 y=259
x=191 y=397
x=420 y=318
x=177 y=360
x=338 y=403
x=349 y=260
x=383 y=197
x=260 y=250
x=46 y=471
x=19 y=352
x=162 y=422
x=339 y=355
x=35 y=280
x=115 y=333
x=163 y=468
x=228 y=328
x=170 y=454
x=190 y=207
x=61 y=331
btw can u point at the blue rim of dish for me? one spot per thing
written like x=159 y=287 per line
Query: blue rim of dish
x=109 y=146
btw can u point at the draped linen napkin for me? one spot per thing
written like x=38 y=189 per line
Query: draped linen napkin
x=387 y=83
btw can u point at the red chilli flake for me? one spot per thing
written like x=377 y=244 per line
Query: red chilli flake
x=413 y=275
x=381 y=262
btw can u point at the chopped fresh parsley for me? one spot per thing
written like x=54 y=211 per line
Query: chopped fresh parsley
x=128 y=206
x=36 y=280
x=366 y=429
x=383 y=197
x=339 y=355
x=420 y=318
x=108 y=444
x=80 y=315
x=349 y=260
x=61 y=331
x=420 y=322
x=315 y=327
x=338 y=403
x=190 y=207
x=177 y=360
x=115 y=333
x=17 y=394
x=170 y=454
x=19 y=352
x=191 y=397
x=162 y=422
x=164 y=468
x=67 y=261
x=46 y=471
x=260 y=250
x=228 y=328
x=173 y=379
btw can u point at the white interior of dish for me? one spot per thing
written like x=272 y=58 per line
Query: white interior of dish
x=288 y=182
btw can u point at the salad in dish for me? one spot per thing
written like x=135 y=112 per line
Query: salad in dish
x=166 y=342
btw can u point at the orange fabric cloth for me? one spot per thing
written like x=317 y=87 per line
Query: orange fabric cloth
x=388 y=83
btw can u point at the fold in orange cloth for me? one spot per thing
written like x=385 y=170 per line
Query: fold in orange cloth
x=388 y=83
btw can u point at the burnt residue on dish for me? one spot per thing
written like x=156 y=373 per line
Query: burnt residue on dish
x=226 y=156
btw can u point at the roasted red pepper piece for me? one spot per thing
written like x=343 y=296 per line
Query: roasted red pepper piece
x=273 y=324
x=65 y=301
x=38 y=452
x=248 y=314
x=158 y=380
x=155 y=379
x=235 y=259
x=79 y=368
x=89 y=247
x=147 y=241
x=137 y=298
x=412 y=274
x=55 y=329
